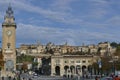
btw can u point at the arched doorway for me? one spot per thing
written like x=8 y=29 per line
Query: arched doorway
x=72 y=70
x=84 y=70
x=66 y=68
x=90 y=69
x=57 y=70
x=78 y=69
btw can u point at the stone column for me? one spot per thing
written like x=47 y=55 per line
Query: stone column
x=52 y=67
x=75 y=70
x=81 y=71
x=62 y=70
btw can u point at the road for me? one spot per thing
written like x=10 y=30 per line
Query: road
x=27 y=77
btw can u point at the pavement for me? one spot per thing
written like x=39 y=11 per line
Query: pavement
x=41 y=77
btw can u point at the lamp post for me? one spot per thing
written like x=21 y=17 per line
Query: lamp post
x=19 y=65
x=114 y=59
x=112 y=63
x=100 y=66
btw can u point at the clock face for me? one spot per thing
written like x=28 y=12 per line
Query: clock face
x=9 y=32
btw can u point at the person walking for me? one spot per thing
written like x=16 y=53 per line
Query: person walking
x=116 y=78
x=2 y=78
x=96 y=78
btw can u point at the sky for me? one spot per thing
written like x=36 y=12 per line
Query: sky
x=60 y=21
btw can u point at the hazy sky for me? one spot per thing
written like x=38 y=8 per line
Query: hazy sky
x=58 y=21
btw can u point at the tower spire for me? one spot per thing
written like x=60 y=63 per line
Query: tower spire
x=9 y=17
x=9 y=12
x=9 y=4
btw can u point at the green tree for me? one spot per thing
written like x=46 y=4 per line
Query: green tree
x=34 y=64
x=95 y=67
x=107 y=66
x=24 y=58
x=114 y=44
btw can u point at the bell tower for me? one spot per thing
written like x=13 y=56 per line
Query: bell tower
x=9 y=42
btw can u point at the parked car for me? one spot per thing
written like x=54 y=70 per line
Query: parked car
x=106 y=78
x=35 y=75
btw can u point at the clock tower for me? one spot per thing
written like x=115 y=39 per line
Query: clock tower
x=9 y=43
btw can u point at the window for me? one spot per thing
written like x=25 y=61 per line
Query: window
x=89 y=61
x=57 y=61
x=72 y=61
x=8 y=45
x=83 y=61
x=66 y=61
x=78 y=61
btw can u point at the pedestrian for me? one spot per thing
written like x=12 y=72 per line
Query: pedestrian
x=116 y=78
x=96 y=78
x=2 y=78
x=9 y=77
x=23 y=78
x=14 y=78
x=30 y=79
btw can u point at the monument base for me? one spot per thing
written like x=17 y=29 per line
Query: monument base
x=7 y=74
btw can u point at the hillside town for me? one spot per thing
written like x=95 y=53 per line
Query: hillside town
x=103 y=49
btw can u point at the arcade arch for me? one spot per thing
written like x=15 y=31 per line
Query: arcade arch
x=66 y=68
x=57 y=70
x=84 y=70
x=78 y=69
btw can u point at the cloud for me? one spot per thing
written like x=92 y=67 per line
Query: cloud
x=55 y=15
x=115 y=20
x=43 y=31
x=97 y=2
x=27 y=33
x=62 y=5
x=1 y=16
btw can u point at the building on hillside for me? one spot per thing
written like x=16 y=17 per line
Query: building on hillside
x=93 y=49
x=31 y=49
x=106 y=49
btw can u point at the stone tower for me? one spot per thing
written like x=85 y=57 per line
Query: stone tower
x=9 y=42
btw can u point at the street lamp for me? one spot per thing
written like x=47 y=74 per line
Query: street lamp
x=114 y=59
x=100 y=66
x=113 y=68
